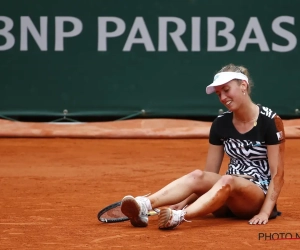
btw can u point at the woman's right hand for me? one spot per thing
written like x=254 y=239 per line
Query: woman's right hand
x=178 y=206
x=189 y=200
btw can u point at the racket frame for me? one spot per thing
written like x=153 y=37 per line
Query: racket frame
x=110 y=207
x=121 y=219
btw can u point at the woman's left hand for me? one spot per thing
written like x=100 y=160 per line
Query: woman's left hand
x=261 y=218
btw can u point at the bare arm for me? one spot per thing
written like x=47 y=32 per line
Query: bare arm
x=214 y=158
x=276 y=163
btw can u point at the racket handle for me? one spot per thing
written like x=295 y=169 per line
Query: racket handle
x=154 y=212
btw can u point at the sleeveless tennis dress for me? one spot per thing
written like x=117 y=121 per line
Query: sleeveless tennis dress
x=248 y=151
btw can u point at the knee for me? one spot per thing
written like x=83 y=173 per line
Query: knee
x=227 y=180
x=196 y=175
x=194 y=179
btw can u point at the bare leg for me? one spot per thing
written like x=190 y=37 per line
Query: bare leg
x=237 y=193
x=198 y=182
x=241 y=196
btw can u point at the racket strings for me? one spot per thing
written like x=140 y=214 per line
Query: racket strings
x=113 y=213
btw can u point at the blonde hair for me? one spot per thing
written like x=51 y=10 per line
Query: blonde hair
x=239 y=69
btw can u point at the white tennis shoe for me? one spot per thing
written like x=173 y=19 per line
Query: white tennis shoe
x=136 y=209
x=169 y=219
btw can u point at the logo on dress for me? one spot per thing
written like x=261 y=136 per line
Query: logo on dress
x=263 y=182
x=279 y=135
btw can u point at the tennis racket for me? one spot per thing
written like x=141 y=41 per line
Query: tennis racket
x=113 y=213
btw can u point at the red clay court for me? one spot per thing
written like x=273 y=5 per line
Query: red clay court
x=53 y=188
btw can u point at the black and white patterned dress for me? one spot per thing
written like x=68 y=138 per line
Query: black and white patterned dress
x=248 y=151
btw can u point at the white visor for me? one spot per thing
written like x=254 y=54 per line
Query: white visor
x=224 y=77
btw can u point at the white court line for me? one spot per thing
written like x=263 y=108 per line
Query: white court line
x=24 y=223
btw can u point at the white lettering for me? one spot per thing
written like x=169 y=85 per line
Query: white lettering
x=103 y=34
x=40 y=38
x=60 y=34
x=220 y=33
x=139 y=26
x=253 y=25
x=162 y=37
x=196 y=27
x=290 y=37
x=212 y=34
x=10 y=40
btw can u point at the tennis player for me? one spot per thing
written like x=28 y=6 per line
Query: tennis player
x=253 y=137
